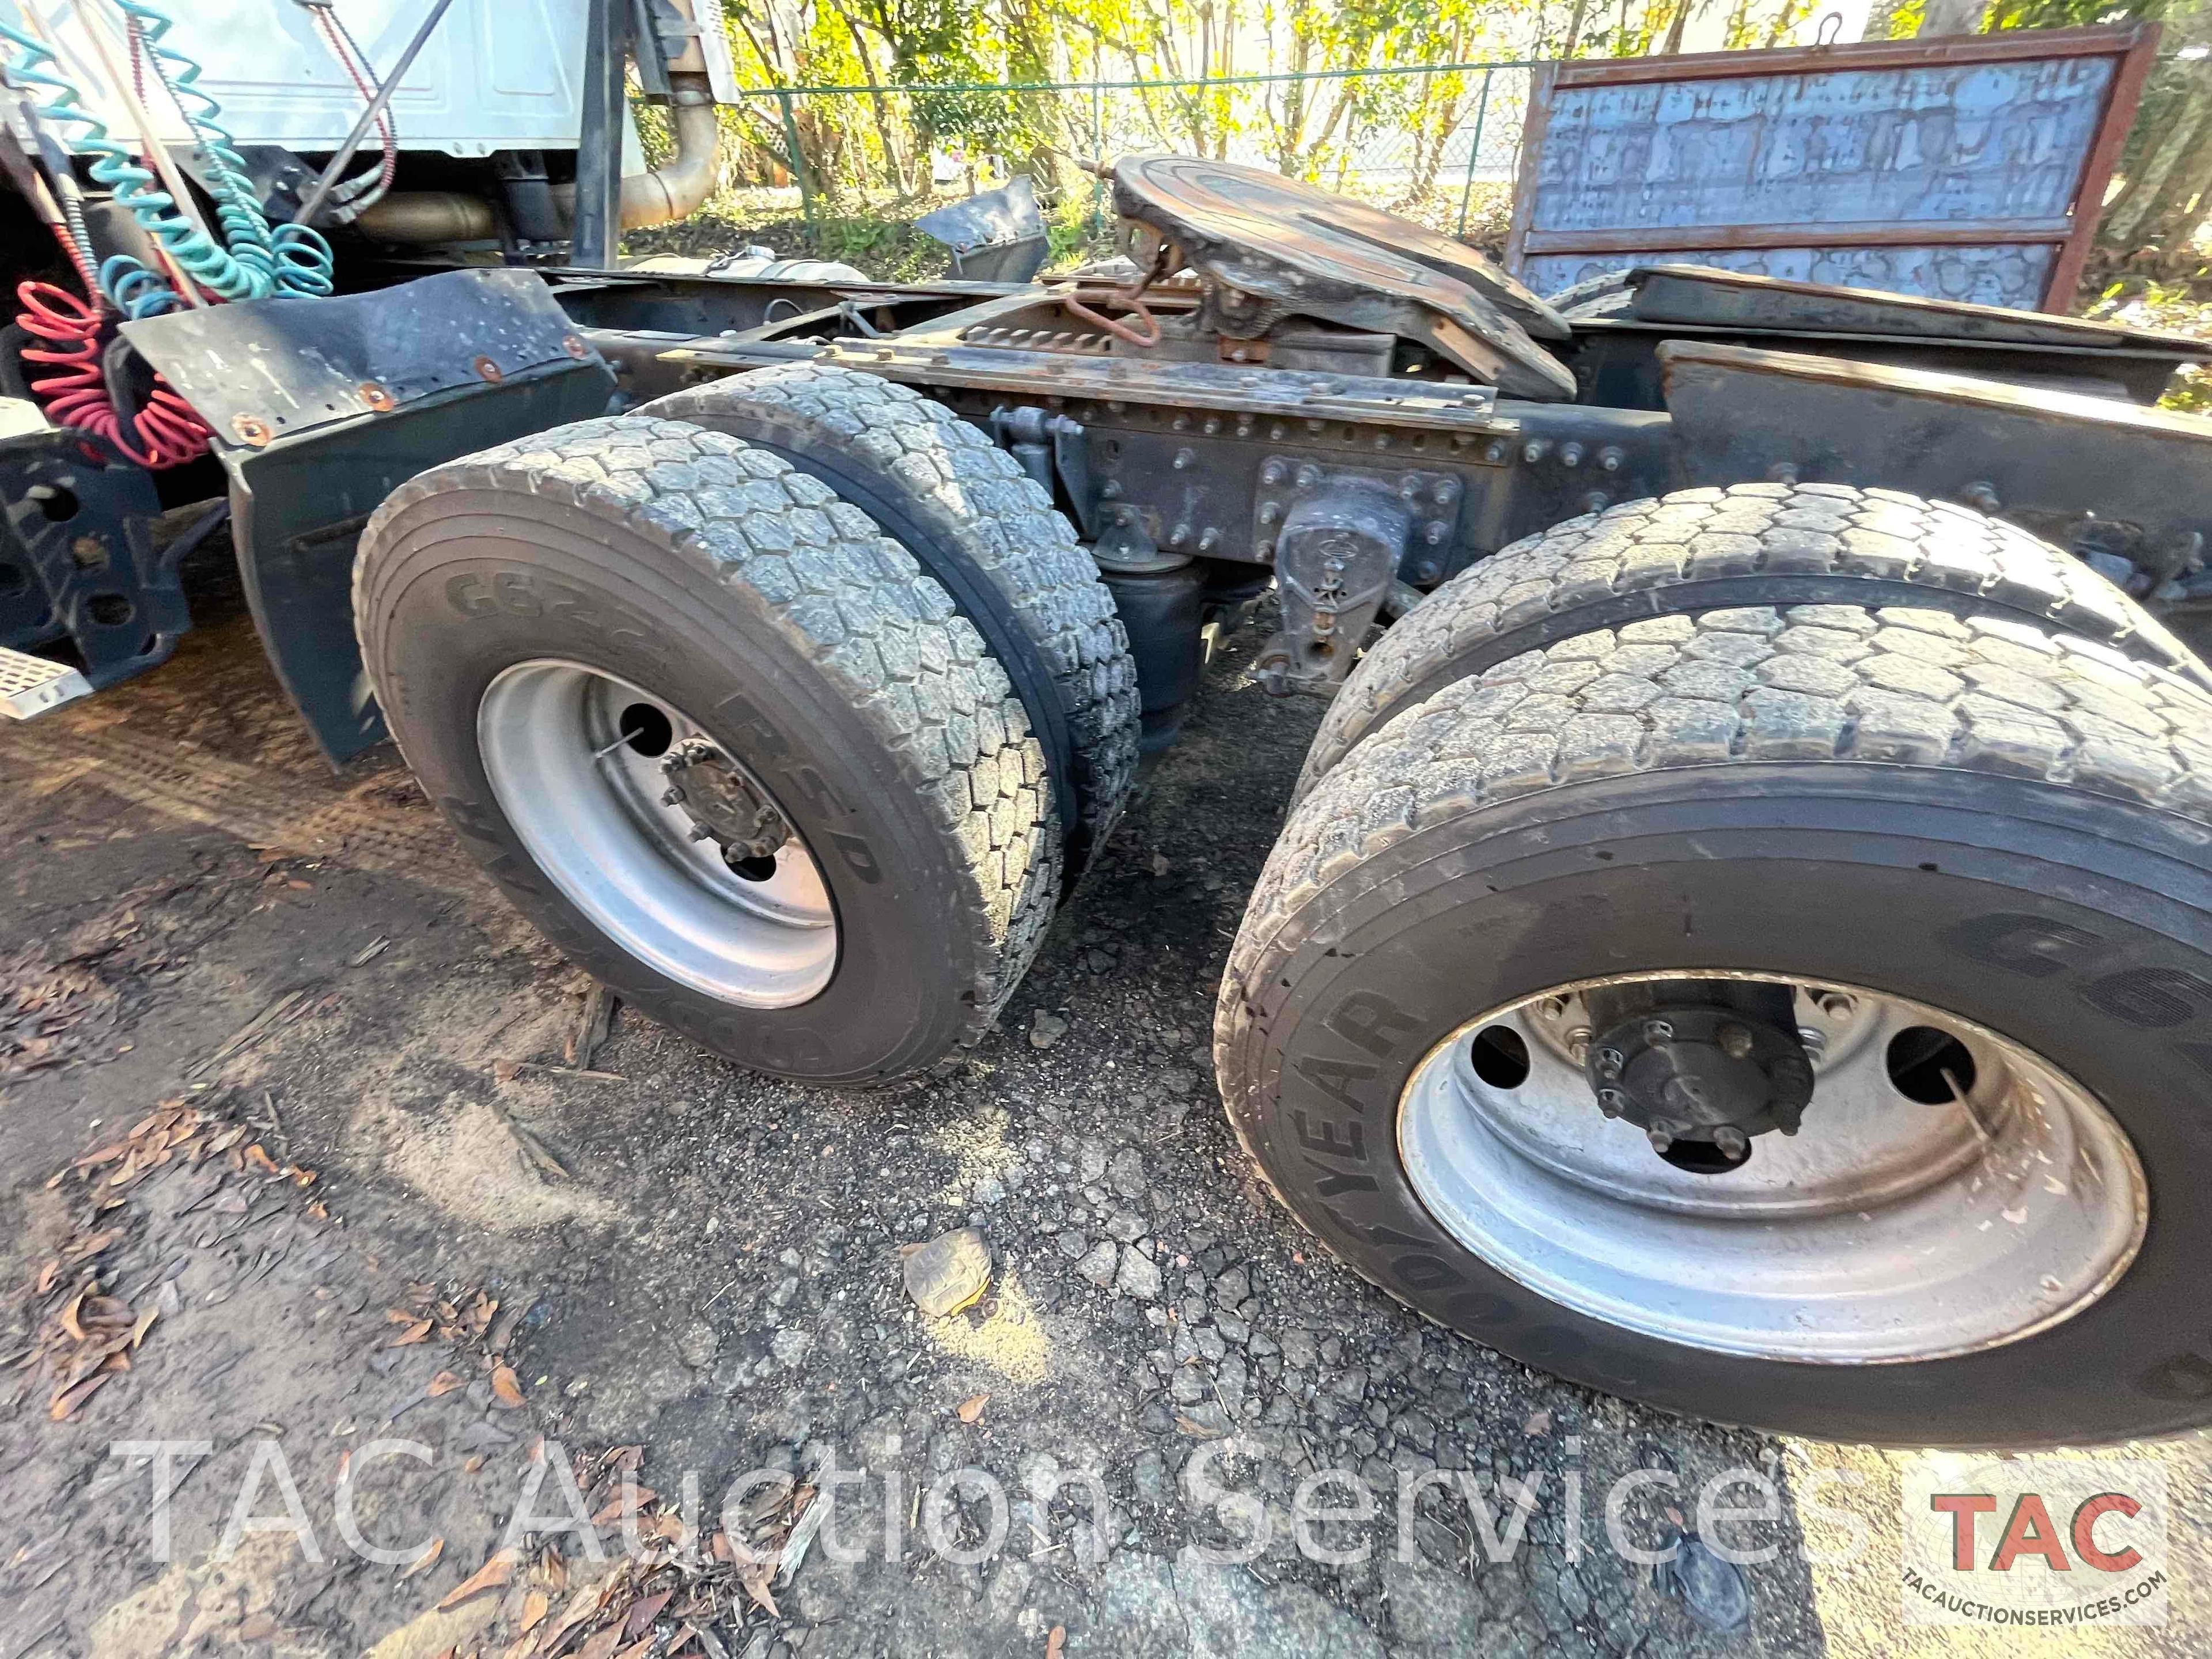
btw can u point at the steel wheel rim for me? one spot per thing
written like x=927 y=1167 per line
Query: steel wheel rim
x=1888 y=1230
x=585 y=801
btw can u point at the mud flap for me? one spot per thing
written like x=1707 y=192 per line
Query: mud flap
x=321 y=408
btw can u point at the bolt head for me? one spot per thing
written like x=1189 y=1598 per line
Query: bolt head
x=1731 y=1141
x=1273 y=472
x=1578 y=1041
x=1660 y=1140
x=671 y=796
x=1309 y=475
x=1735 y=1041
x=1658 y=1030
x=1609 y=1061
x=1611 y=1101
x=700 y=832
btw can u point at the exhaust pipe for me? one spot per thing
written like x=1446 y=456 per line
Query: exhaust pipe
x=658 y=197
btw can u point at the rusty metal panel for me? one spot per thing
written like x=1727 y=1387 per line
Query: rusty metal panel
x=1954 y=169
x=2093 y=474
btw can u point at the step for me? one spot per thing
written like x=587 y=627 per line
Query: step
x=30 y=686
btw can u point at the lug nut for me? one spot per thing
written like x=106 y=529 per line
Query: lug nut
x=1578 y=1039
x=1735 y=1041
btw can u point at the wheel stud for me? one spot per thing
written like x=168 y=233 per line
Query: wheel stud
x=1661 y=1141
x=1731 y=1141
x=1578 y=1039
x=1610 y=1102
x=701 y=832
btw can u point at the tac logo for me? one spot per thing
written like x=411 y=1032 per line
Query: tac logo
x=2044 y=1542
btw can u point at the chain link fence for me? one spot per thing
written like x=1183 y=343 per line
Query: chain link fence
x=1438 y=141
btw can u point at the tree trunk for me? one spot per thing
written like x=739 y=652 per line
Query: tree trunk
x=1953 y=17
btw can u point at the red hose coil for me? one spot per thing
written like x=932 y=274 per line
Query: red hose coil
x=166 y=433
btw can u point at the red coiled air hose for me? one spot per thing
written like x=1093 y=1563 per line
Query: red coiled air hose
x=166 y=433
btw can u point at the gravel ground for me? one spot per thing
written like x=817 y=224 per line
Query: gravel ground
x=698 y=1271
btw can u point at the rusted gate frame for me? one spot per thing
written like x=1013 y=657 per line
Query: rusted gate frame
x=2133 y=46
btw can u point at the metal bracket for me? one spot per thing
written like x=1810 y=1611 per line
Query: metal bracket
x=77 y=559
x=1336 y=554
x=1050 y=446
x=1432 y=501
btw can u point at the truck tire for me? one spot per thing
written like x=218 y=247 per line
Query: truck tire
x=562 y=627
x=981 y=525
x=1971 y=859
x=1704 y=549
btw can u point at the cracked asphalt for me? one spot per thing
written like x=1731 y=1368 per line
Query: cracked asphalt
x=699 y=1262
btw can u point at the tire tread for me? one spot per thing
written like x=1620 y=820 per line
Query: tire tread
x=848 y=598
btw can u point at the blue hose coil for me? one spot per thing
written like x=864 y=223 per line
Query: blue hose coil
x=252 y=262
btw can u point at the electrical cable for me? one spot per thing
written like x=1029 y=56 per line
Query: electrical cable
x=365 y=189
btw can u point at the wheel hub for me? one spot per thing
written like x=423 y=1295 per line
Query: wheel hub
x=721 y=802
x=1950 y=1189
x=1700 y=1063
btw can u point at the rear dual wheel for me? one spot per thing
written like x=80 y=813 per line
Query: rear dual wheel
x=720 y=738
x=1801 y=1017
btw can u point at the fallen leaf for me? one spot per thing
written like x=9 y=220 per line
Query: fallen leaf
x=636 y=1650
x=68 y=1317
x=643 y=1612
x=443 y=1383
x=472 y=1462
x=261 y=1160
x=414 y=1333
x=973 y=1408
x=66 y=1400
x=504 y=1387
x=581 y=1606
x=427 y=1560
x=755 y=1576
x=535 y=1606
x=600 y=1644
x=1540 y=1422
x=493 y=1574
